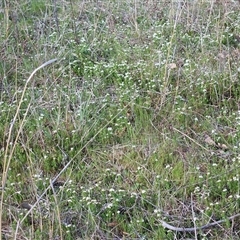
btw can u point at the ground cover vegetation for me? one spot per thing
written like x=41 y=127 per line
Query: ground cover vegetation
x=134 y=127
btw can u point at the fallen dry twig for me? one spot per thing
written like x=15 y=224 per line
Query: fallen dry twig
x=193 y=229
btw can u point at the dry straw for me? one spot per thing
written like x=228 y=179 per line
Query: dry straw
x=10 y=146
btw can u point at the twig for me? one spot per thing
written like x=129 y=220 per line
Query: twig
x=193 y=229
x=191 y=139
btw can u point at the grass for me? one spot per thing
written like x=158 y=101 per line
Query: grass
x=135 y=124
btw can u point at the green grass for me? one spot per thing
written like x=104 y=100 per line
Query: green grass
x=136 y=123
